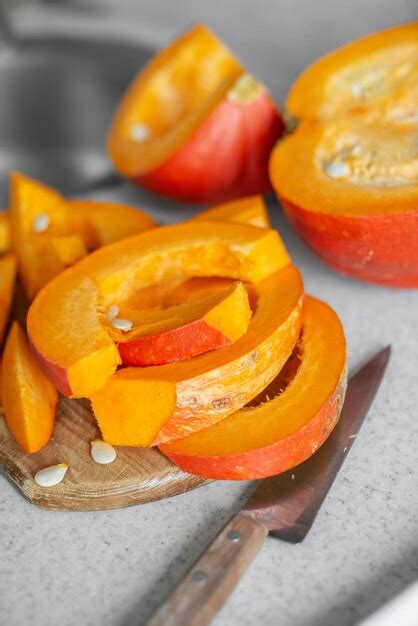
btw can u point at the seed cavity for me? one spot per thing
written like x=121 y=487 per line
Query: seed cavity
x=121 y=324
x=41 y=223
x=140 y=132
x=51 y=476
x=112 y=312
x=102 y=452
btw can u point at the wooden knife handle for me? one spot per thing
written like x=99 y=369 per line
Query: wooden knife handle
x=206 y=586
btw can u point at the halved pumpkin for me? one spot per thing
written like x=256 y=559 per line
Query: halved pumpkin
x=7 y=285
x=29 y=399
x=67 y=321
x=180 y=398
x=348 y=177
x=283 y=428
x=248 y=210
x=194 y=126
x=181 y=332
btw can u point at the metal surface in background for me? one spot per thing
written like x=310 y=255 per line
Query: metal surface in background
x=57 y=98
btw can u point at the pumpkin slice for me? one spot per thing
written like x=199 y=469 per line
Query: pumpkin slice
x=250 y=210
x=180 y=398
x=348 y=177
x=29 y=399
x=7 y=284
x=194 y=126
x=101 y=223
x=182 y=332
x=67 y=321
x=36 y=214
x=4 y=232
x=282 y=428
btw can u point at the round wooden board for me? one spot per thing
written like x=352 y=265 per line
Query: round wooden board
x=137 y=475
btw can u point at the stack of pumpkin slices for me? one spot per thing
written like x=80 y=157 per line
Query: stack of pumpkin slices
x=197 y=337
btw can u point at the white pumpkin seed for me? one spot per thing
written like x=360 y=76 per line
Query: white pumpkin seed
x=102 y=452
x=337 y=169
x=112 y=312
x=140 y=132
x=124 y=325
x=50 y=476
x=41 y=223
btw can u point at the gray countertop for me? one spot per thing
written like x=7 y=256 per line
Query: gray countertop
x=112 y=568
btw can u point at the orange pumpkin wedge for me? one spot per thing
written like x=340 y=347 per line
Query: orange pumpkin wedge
x=194 y=126
x=101 y=223
x=249 y=210
x=181 y=332
x=273 y=435
x=66 y=322
x=7 y=284
x=4 y=232
x=29 y=399
x=36 y=214
x=180 y=398
x=60 y=253
x=348 y=176
x=202 y=287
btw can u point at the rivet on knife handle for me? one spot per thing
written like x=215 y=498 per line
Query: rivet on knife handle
x=203 y=590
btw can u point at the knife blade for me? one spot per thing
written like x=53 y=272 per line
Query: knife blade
x=283 y=506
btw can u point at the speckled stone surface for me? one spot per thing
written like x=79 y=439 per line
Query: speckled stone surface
x=113 y=568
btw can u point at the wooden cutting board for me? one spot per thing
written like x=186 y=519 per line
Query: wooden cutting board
x=137 y=475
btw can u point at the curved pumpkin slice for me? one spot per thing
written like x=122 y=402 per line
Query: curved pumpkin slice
x=4 y=232
x=29 y=399
x=194 y=126
x=36 y=214
x=356 y=203
x=7 y=284
x=376 y=76
x=277 y=434
x=180 y=398
x=181 y=332
x=249 y=210
x=71 y=309
x=102 y=223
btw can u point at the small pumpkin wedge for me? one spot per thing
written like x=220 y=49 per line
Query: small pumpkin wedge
x=348 y=176
x=4 y=232
x=60 y=253
x=71 y=309
x=180 y=398
x=281 y=428
x=29 y=399
x=248 y=210
x=194 y=126
x=181 y=332
x=7 y=285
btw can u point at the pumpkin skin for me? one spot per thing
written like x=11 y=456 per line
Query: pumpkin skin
x=208 y=138
x=348 y=177
x=72 y=307
x=283 y=428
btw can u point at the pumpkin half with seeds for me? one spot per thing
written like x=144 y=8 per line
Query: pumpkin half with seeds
x=348 y=176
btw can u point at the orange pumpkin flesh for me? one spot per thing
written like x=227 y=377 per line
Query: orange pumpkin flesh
x=181 y=332
x=205 y=389
x=60 y=253
x=278 y=433
x=29 y=399
x=4 y=232
x=194 y=126
x=348 y=177
x=101 y=223
x=66 y=322
x=248 y=210
x=7 y=284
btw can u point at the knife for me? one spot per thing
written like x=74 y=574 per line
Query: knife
x=283 y=506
